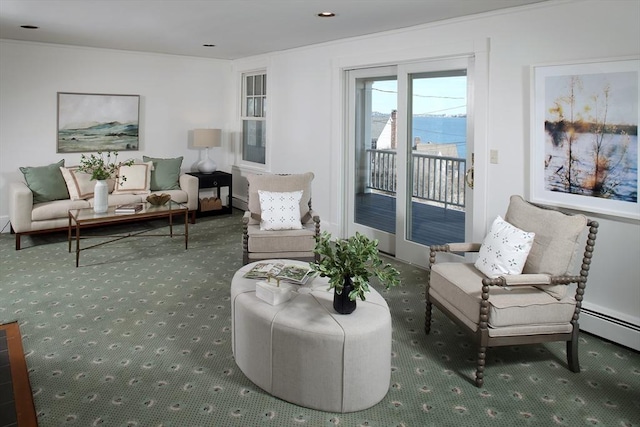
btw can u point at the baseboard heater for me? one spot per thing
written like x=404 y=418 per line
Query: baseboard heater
x=610 y=328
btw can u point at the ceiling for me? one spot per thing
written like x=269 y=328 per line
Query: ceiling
x=237 y=28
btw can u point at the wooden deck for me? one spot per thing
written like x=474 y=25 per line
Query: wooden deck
x=432 y=225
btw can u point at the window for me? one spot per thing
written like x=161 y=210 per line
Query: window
x=254 y=109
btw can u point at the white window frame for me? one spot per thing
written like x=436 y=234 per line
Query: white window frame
x=259 y=116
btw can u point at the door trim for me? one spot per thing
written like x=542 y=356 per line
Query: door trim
x=479 y=48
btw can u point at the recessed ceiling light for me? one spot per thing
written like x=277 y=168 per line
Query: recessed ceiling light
x=209 y=45
x=29 y=27
x=326 y=14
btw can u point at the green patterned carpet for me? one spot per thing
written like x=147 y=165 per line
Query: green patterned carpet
x=140 y=335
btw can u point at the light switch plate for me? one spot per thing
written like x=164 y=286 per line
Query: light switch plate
x=493 y=156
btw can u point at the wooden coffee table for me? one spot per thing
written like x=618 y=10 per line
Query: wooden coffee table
x=80 y=219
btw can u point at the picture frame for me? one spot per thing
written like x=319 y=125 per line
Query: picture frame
x=584 y=136
x=97 y=122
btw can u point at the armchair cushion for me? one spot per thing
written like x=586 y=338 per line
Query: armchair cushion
x=504 y=249
x=278 y=241
x=556 y=243
x=458 y=287
x=280 y=211
x=279 y=183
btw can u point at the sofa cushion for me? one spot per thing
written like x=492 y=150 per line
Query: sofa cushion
x=504 y=249
x=557 y=241
x=178 y=196
x=121 y=199
x=46 y=182
x=134 y=179
x=165 y=174
x=56 y=209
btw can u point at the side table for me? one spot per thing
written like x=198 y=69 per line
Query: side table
x=216 y=180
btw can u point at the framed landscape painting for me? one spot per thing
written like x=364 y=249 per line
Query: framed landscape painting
x=97 y=122
x=584 y=145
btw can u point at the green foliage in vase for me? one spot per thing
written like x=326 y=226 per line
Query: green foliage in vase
x=103 y=167
x=356 y=257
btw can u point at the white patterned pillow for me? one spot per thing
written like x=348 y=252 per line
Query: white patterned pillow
x=504 y=249
x=280 y=211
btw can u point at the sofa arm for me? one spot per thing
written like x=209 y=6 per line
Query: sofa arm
x=190 y=185
x=20 y=206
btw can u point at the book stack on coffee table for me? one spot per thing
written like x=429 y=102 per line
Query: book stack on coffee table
x=129 y=208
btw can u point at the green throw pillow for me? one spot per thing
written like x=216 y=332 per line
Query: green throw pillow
x=46 y=182
x=165 y=174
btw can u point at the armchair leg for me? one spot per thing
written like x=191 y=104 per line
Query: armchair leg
x=482 y=355
x=572 y=351
x=427 y=317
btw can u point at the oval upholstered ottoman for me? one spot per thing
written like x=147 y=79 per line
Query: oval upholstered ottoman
x=303 y=352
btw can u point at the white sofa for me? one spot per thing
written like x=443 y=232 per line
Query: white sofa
x=28 y=217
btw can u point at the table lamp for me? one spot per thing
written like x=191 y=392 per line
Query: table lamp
x=206 y=138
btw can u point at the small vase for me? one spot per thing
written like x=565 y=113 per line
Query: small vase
x=101 y=196
x=341 y=302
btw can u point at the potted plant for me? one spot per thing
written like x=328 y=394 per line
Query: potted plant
x=349 y=263
x=102 y=168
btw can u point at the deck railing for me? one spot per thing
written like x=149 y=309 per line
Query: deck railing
x=435 y=178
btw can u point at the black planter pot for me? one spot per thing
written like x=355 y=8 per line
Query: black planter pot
x=341 y=302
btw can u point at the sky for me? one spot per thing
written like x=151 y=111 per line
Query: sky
x=77 y=108
x=621 y=107
x=436 y=95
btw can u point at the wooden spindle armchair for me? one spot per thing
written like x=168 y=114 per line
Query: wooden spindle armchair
x=513 y=309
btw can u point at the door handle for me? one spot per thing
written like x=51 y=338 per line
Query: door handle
x=468 y=175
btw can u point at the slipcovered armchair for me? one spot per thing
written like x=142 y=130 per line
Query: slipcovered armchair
x=279 y=226
x=499 y=307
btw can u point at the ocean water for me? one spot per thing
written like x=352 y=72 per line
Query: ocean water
x=101 y=137
x=620 y=152
x=442 y=130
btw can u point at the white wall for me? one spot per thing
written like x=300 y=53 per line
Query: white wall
x=305 y=123
x=177 y=95
x=305 y=117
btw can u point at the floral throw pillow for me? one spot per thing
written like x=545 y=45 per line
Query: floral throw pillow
x=504 y=249
x=280 y=211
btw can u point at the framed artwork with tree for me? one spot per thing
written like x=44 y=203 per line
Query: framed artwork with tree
x=584 y=136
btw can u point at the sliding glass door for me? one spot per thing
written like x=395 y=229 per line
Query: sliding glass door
x=408 y=150
x=372 y=176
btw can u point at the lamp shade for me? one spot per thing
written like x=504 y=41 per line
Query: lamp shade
x=205 y=138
